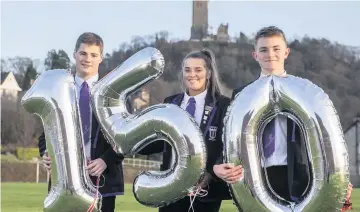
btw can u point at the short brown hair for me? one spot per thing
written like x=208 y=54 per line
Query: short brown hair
x=90 y=38
x=269 y=32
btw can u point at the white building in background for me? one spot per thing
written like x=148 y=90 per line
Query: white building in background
x=9 y=87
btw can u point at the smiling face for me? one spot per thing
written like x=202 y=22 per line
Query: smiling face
x=271 y=53
x=87 y=60
x=194 y=75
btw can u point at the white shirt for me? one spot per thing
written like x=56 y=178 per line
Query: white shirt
x=91 y=82
x=199 y=105
x=279 y=157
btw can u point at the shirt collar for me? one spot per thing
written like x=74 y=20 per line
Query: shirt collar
x=264 y=75
x=198 y=98
x=91 y=81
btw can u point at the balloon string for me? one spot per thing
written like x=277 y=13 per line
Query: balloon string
x=96 y=195
x=97 y=190
x=199 y=193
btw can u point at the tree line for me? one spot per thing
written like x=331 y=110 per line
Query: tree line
x=332 y=66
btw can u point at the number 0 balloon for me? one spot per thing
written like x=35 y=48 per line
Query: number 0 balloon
x=313 y=111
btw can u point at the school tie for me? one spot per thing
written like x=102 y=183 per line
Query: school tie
x=191 y=106
x=84 y=103
x=269 y=139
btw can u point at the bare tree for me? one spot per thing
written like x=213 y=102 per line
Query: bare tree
x=18 y=127
x=57 y=60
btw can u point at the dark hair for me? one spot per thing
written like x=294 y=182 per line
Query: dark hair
x=90 y=38
x=269 y=32
x=213 y=83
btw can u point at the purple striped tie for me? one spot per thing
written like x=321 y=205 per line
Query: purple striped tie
x=191 y=106
x=85 y=111
x=269 y=139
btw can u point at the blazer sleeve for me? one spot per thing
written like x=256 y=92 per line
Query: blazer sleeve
x=110 y=157
x=224 y=104
x=234 y=93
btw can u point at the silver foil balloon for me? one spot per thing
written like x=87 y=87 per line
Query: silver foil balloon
x=53 y=98
x=313 y=111
x=129 y=133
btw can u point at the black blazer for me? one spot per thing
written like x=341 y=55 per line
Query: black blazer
x=217 y=189
x=297 y=159
x=100 y=148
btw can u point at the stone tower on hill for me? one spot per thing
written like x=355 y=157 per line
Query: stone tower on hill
x=199 y=19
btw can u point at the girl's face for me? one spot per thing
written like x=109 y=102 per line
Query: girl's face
x=194 y=75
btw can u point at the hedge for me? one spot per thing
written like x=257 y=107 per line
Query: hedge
x=27 y=153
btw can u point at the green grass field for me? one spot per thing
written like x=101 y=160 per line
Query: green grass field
x=29 y=197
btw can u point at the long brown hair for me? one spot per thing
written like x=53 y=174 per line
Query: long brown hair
x=213 y=82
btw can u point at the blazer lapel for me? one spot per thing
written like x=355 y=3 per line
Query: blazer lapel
x=178 y=99
x=95 y=131
x=208 y=114
x=290 y=154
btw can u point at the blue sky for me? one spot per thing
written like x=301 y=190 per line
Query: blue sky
x=31 y=28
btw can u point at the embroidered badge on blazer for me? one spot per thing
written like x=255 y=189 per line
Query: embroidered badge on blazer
x=207 y=112
x=212 y=133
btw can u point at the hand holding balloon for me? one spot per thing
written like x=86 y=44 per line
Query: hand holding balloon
x=228 y=172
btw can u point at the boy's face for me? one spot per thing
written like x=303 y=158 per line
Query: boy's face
x=87 y=60
x=271 y=53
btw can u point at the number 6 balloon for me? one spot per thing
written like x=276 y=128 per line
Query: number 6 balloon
x=129 y=133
